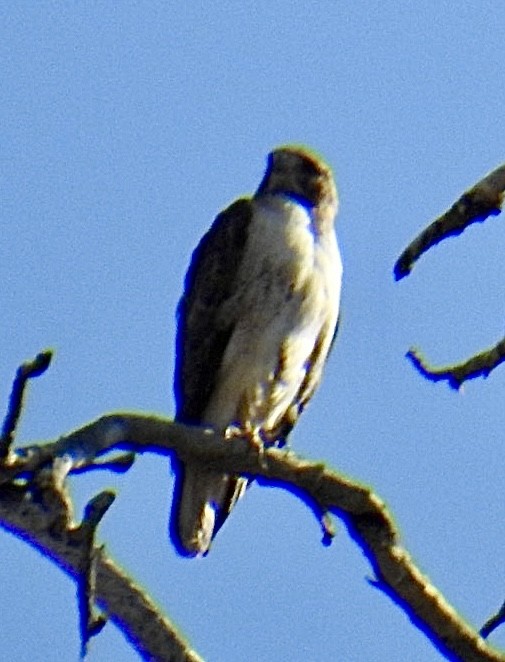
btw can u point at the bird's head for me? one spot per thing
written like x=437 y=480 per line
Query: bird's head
x=301 y=174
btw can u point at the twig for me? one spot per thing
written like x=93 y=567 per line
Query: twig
x=26 y=371
x=479 y=365
x=90 y=624
x=493 y=622
x=474 y=206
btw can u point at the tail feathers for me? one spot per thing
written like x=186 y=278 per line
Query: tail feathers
x=202 y=501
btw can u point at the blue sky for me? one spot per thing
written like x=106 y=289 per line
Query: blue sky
x=125 y=128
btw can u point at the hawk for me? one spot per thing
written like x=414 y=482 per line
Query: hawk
x=255 y=325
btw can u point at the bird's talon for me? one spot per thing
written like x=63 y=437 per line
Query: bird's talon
x=232 y=432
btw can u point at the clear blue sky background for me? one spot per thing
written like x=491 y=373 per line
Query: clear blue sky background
x=125 y=127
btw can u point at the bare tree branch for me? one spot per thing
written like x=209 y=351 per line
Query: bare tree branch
x=90 y=624
x=474 y=206
x=130 y=608
x=35 y=505
x=26 y=371
x=492 y=623
x=365 y=515
x=479 y=365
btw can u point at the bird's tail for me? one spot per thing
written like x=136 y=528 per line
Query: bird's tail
x=202 y=501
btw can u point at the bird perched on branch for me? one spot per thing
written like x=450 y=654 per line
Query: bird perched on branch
x=255 y=325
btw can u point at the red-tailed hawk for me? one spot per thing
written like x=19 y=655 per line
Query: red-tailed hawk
x=255 y=325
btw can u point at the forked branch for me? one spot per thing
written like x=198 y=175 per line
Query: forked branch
x=475 y=205
x=365 y=515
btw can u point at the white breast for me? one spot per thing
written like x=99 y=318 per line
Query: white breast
x=287 y=290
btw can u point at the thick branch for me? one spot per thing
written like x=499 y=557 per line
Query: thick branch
x=365 y=515
x=474 y=206
x=153 y=636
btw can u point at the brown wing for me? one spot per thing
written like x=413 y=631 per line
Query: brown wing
x=202 y=335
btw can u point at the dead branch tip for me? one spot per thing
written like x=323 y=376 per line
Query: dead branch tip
x=26 y=371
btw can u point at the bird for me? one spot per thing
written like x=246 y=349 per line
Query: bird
x=255 y=325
